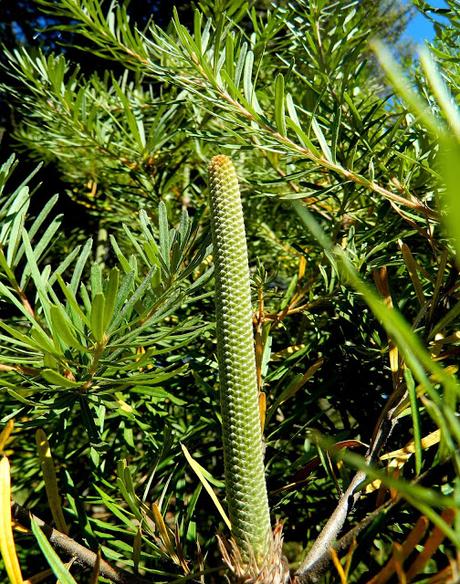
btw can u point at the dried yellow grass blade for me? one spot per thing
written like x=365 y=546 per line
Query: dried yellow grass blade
x=338 y=566
x=198 y=469
x=7 y=547
x=5 y=434
x=403 y=454
x=398 y=458
x=302 y=267
x=49 y=476
x=381 y=282
x=95 y=573
x=262 y=409
x=39 y=577
x=408 y=546
x=431 y=546
x=394 y=359
x=163 y=530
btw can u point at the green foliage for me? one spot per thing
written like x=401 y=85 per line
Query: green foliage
x=349 y=174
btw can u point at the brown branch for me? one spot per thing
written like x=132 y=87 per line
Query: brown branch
x=69 y=546
x=318 y=557
x=313 y=575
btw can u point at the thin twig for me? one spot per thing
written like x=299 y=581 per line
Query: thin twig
x=318 y=557
x=69 y=546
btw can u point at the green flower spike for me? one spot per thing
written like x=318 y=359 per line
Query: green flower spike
x=242 y=437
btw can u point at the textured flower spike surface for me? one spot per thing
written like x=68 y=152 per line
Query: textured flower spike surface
x=242 y=436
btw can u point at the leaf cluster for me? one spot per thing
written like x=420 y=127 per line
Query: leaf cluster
x=355 y=279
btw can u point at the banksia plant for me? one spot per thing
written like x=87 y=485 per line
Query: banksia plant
x=241 y=429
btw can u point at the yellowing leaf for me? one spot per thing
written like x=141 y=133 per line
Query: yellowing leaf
x=163 y=530
x=5 y=434
x=262 y=409
x=401 y=455
x=7 y=547
x=398 y=458
x=49 y=476
x=198 y=469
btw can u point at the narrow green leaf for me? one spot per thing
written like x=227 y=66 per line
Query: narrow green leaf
x=445 y=100
x=218 y=57
x=230 y=56
x=17 y=226
x=46 y=344
x=73 y=304
x=165 y=242
x=6 y=268
x=197 y=22
x=450 y=160
x=240 y=64
x=96 y=280
x=110 y=296
x=64 y=265
x=127 y=267
x=42 y=246
x=24 y=340
x=303 y=137
x=322 y=140
x=97 y=316
x=79 y=266
x=410 y=384
x=57 y=379
x=50 y=479
x=248 y=88
x=280 y=114
x=34 y=270
x=59 y=570
x=63 y=328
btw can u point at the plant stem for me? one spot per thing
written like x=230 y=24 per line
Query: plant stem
x=242 y=435
x=68 y=546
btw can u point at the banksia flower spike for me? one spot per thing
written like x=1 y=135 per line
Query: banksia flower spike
x=242 y=436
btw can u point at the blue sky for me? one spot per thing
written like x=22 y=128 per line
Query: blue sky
x=421 y=29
